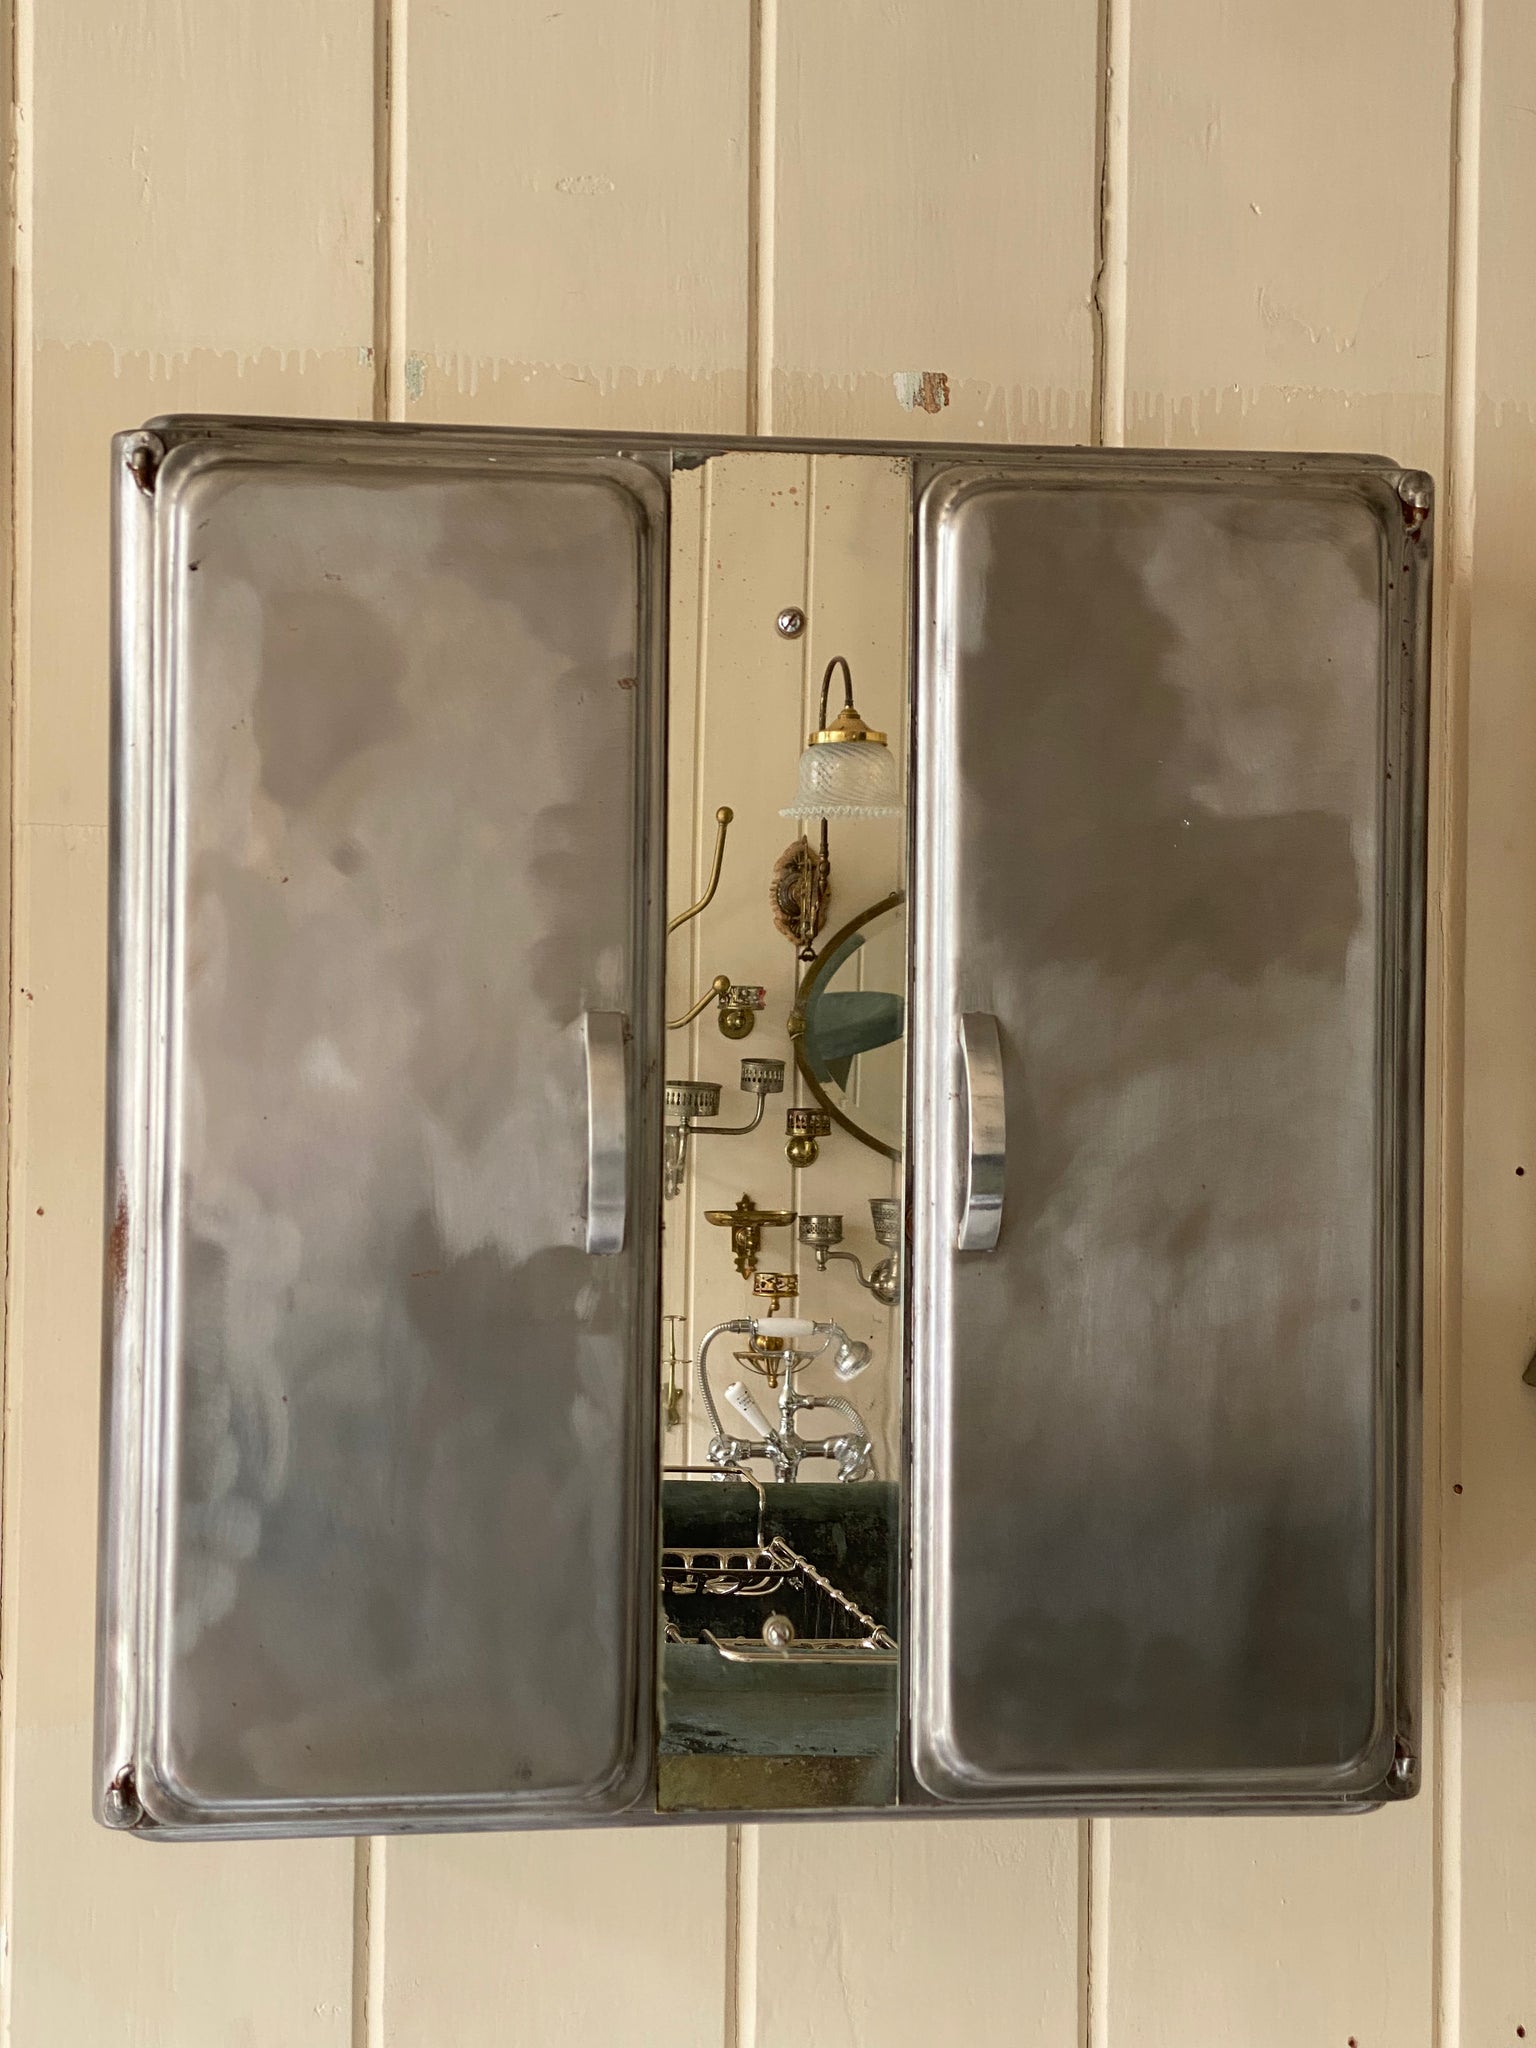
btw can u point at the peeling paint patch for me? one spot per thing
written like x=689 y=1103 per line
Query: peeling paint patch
x=482 y=391
x=586 y=185
x=922 y=390
x=415 y=376
x=1282 y=320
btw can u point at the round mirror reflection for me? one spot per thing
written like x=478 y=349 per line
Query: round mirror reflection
x=850 y=1046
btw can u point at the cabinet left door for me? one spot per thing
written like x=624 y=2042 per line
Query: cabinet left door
x=378 y=1512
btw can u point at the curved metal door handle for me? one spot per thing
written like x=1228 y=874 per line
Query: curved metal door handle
x=604 y=1032
x=986 y=1132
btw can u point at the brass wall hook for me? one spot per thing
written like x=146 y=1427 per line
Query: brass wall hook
x=723 y=819
x=718 y=989
x=739 y=1001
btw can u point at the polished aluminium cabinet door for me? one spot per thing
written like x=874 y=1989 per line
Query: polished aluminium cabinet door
x=379 y=1497
x=1167 y=1081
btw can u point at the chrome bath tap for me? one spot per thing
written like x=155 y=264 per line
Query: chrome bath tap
x=773 y=1350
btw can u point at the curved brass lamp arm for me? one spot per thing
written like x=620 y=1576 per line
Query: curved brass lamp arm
x=723 y=819
x=837 y=661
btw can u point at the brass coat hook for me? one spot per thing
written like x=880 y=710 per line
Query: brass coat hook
x=723 y=819
x=720 y=986
x=739 y=1004
x=739 y=1001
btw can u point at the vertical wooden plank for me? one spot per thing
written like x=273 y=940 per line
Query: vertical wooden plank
x=612 y=1937
x=1270 y=1932
x=111 y=1941
x=576 y=212
x=1262 y=311
x=563 y=1931
x=194 y=230
x=573 y=200
x=1286 y=277
x=201 y=241
x=8 y=648
x=1491 y=1507
x=916 y=1933
x=843 y=1931
x=936 y=194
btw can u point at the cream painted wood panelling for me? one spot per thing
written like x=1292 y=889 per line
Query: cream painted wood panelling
x=1212 y=222
x=1280 y=293
x=574 y=189
x=1487 y=1487
x=195 y=191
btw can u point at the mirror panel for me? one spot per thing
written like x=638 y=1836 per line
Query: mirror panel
x=780 y=1675
x=850 y=1024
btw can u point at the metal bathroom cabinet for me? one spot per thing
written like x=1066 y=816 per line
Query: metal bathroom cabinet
x=380 y=1501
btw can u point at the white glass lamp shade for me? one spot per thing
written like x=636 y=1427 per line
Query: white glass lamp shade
x=847 y=772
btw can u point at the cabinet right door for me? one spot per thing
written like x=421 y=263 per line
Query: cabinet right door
x=1165 y=1179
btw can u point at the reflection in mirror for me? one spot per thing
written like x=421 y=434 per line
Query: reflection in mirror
x=779 y=1682
x=850 y=1023
x=783 y=1261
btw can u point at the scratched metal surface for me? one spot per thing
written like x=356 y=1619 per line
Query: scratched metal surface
x=1158 y=1506
x=398 y=832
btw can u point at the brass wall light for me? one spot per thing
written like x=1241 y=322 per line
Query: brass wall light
x=847 y=770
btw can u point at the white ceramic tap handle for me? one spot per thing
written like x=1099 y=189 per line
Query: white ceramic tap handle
x=746 y=1407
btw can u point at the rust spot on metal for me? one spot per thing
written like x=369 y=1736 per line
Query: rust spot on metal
x=932 y=391
x=1415 y=491
x=142 y=465
x=117 y=1251
x=627 y=682
x=122 y=1807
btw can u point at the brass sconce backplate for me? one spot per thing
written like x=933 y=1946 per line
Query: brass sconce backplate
x=746 y=1224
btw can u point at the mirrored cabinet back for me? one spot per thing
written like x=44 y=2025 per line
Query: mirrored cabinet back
x=764 y=1131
